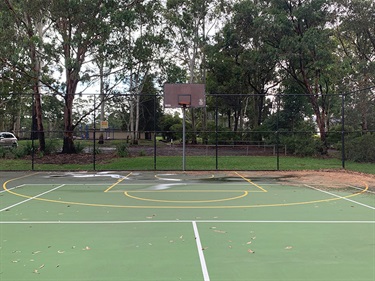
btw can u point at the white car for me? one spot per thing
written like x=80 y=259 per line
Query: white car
x=8 y=139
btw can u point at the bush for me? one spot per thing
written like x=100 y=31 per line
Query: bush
x=16 y=152
x=122 y=150
x=52 y=146
x=301 y=144
x=79 y=146
x=361 y=149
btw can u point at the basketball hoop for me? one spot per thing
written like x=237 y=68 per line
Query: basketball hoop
x=184 y=100
x=184 y=104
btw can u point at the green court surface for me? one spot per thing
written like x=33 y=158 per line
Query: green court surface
x=184 y=226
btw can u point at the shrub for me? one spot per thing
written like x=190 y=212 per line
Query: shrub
x=52 y=146
x=79 y=146
x=301 y=144
x=361 y=149
x=122 y=150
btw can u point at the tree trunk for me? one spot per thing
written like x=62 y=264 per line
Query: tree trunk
x=68 y=145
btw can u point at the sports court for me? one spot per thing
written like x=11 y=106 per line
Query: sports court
x=205 y=225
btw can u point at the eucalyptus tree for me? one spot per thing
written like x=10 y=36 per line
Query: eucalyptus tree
x=30 y=27
x=356 y=34
x=80 y=28
x=190 y=23
x=226 y=75
x=242 y=42
x=301 y=33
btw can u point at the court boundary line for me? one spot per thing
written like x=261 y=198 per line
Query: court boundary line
x=340 y=197
x=202 y=260
x=190 y=221
x=31 y=198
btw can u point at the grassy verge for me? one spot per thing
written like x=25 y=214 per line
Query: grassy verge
x=197 y=163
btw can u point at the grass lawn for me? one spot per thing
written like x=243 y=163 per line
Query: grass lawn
x=198 y=163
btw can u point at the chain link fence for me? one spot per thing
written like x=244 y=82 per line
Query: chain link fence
x=233 y=132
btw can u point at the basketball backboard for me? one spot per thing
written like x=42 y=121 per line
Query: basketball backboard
x=184 y=95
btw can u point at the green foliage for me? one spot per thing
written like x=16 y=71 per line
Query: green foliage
x=79 y=145
x=122 y=149
x=166 y=125
x=52 y=146
x=361 y=149
x=301 y=144
x=334 y=135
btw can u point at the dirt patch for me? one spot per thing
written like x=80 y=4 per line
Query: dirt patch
x=323 y=178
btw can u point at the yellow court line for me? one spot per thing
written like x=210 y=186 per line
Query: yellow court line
x=118 y=181
x=179 y=207
x=8 y=181
x=245 y=193
x=249 y=181
x=187 y=207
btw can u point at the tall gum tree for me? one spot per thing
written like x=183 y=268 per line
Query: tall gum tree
x=80 y=28
x=300 y=32
x=356 y=34
x=190 y=23
x=30 y=20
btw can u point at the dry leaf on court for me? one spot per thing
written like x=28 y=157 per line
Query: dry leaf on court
x=288 y=247
x=250 y=251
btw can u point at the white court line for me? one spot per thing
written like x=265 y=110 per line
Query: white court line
x=338 y=196
x=206 y=277
x=186 y=221
x=12 y=188
x=31 y=198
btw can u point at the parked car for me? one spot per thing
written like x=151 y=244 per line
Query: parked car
x=8 y=139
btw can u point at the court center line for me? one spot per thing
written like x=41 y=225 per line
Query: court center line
x=338 y=196
x=206 y=277
x=188 y=221
x=116 y=183
x=31 y=198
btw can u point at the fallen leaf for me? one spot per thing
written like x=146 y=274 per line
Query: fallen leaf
x=248 y=243
x=61 y=252
x=220 y=231
x=288 y=247
x=251 y=251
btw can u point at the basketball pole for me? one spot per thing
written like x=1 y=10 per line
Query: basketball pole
x=183 y=136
